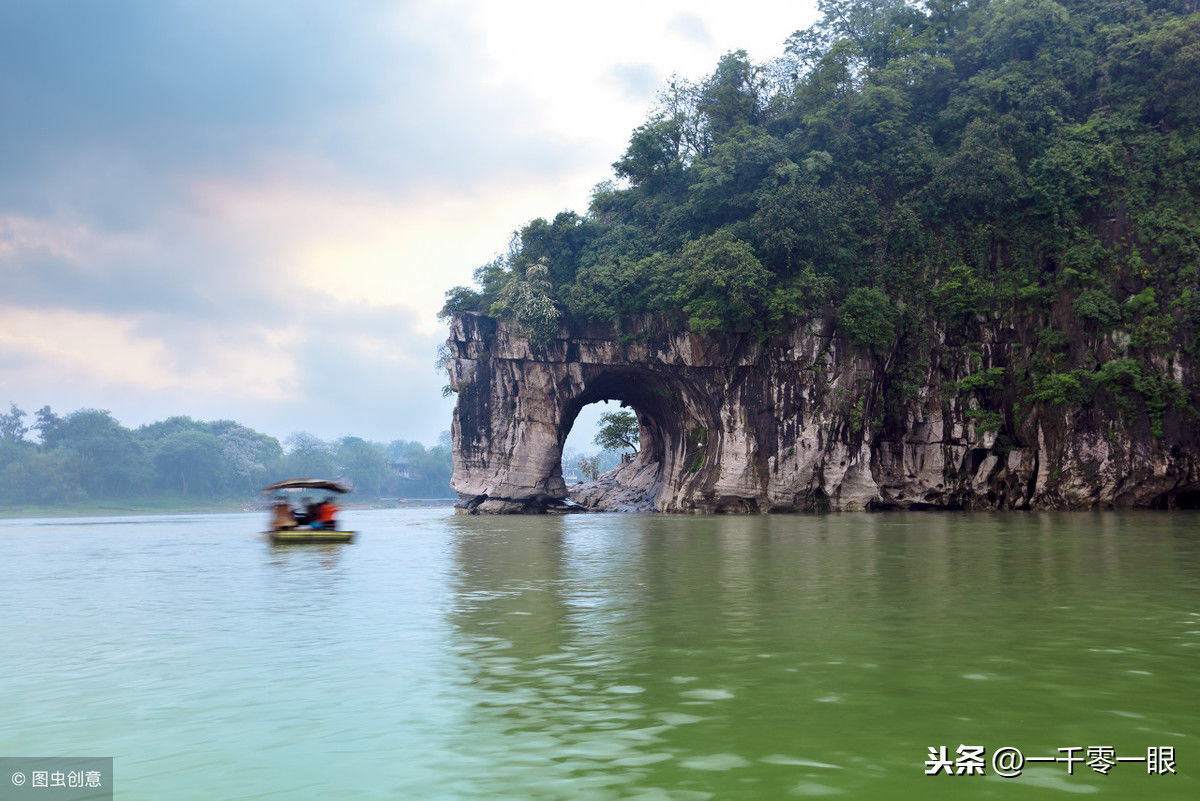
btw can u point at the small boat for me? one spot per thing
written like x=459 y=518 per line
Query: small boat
x=304 y=524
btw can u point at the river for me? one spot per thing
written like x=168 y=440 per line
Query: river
x=607 y=656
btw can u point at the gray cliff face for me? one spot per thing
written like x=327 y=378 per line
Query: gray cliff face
x=797 y=423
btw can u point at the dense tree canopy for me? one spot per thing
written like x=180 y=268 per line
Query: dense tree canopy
x=902 y=167
x=1026 y=145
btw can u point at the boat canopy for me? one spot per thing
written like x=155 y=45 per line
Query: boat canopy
x=309 y=483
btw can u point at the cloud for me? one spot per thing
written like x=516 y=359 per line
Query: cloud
x=373 y=362
x=101 y=350
x=691 y=27
x=359 y=246
x=638 y=81
x=193 y=192
x=252 y=210
x=136 y=95
x=75 y=263
x=329 y=368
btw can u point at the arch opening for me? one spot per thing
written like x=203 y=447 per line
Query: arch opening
x=580 y=445
x=633 y=483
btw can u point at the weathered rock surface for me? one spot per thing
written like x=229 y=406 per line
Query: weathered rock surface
x=632 y=487
x=797 y=423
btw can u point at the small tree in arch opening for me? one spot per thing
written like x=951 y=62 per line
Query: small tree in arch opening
x=589 y=467
x=618 y=430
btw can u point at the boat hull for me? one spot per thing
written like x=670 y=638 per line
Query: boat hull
x=315 y=535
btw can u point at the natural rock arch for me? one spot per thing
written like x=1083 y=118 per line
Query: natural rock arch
x=515 y=412
x=642 y=392
x=800 y=422
x=709 y=407
x=669 y=412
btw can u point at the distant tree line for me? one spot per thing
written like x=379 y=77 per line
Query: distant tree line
x=87 y=455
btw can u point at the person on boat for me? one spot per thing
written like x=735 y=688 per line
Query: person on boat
x=306 y=515
x=327 y=515
x=282 y=518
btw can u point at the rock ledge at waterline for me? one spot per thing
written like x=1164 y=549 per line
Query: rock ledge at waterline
x=803 y=422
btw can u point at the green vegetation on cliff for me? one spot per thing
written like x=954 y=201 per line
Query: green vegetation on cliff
x=902 y=169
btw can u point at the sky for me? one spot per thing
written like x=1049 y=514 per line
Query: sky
x=252 y=210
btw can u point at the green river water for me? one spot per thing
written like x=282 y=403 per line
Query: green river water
x=605 y=656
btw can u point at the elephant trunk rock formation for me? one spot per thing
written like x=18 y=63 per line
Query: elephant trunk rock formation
x=802 y=422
